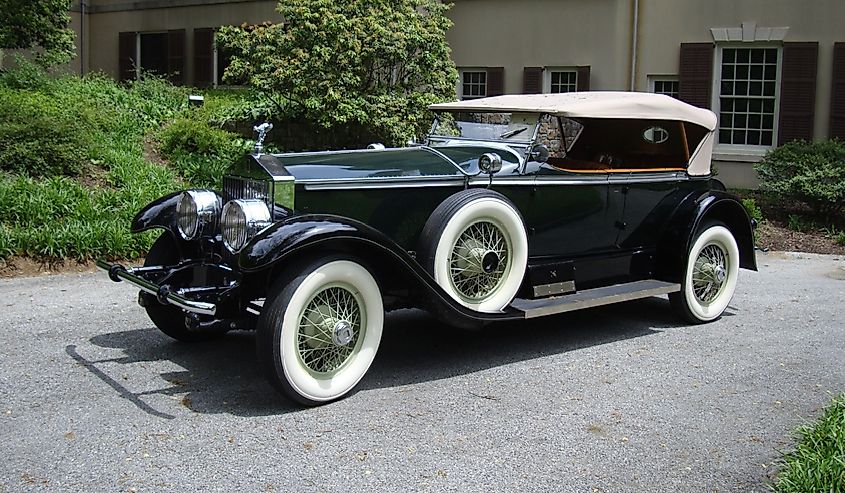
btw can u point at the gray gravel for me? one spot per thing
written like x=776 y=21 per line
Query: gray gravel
x=621 y=398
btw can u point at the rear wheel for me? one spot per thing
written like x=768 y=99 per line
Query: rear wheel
x=710 y=276
x=320 y=330
x=169 y=319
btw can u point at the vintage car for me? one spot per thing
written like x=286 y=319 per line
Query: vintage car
x=515 y=207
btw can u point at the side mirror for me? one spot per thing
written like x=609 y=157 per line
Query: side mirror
x=490 y=163
x=540 y=153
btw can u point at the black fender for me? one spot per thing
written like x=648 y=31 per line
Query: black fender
x=160 y=213
x=691 y=213
x=318 y=233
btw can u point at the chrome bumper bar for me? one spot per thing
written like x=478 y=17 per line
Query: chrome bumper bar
x=119 y=273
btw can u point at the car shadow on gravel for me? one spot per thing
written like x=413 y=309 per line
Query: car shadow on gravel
x=221 y=376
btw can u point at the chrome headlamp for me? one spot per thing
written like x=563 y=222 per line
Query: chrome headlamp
x=241 y=220
x=197 y=213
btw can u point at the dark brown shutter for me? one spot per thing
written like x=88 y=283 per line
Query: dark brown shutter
x=203 y=57
x=798 y=91
x=176 y=56
x=532 y=80
x=837 y=100
x=126 y=56
x=495 y=81
x=695 y=74
x=582 y=81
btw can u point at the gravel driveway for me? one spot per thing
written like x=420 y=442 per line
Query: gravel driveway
x=621 y=398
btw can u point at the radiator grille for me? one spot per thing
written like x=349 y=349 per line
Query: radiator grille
x=245 y=188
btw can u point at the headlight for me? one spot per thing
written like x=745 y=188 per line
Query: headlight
x=241 y=220
x=197 y=213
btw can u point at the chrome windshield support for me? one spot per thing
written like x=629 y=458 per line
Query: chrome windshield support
x=119 y=273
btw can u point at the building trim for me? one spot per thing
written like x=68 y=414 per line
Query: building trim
x=148 y=4
x=749 y=32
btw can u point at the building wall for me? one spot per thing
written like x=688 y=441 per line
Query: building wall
x=570 y=33
x=108 y=19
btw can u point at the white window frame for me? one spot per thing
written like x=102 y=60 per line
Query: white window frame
x=547 y=77
x=744 y=149
x=459 y=88
x=654 y=79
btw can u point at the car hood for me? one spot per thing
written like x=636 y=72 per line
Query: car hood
x=371 y=164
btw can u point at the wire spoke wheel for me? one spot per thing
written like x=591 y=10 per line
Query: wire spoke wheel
x=330 y=328
x=710 y=273
x=479 y=261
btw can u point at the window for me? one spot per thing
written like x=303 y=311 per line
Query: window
x=747 y=90
x=473 y=84
x=159 y=53
x=664 y=85
x=153 y=53
x=557 y=81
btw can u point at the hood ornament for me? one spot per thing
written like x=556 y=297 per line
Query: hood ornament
x=262 y=131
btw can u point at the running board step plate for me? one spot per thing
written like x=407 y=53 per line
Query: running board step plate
x=594 y=297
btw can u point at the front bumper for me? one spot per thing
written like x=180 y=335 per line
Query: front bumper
x=163 y=293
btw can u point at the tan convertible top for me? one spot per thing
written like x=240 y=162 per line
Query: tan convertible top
x=593 y=104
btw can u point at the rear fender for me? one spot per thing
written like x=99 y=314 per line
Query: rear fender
x=689 y=216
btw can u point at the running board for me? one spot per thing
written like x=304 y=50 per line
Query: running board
x=594 y=297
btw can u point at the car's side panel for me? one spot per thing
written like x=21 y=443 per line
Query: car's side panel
x=316 y=233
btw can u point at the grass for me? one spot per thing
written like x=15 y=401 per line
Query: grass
x=818 y=462
x=57 y=211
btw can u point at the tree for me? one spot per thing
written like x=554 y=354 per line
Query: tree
x=371 y=64
x=26 y=24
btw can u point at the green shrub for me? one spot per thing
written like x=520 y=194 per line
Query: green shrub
x=796 y=222
x=810 y=172
x=39 y=137
x=199 y=152
x=753 y=209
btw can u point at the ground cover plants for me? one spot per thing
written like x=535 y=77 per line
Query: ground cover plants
x=80 y=156
x=818 y=461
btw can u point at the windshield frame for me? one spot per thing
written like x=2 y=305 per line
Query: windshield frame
x=516 y=143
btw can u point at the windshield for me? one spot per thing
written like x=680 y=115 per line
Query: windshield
x=501 y=127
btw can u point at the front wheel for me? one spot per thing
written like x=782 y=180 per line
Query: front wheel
x=320 y=329
x=710 y=276
x=169 y=319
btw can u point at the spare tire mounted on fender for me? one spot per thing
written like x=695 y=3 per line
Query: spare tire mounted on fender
x=475 y=246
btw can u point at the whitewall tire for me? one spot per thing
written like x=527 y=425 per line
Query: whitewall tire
x=710 y=275
x=475 y=246
x=320 y=330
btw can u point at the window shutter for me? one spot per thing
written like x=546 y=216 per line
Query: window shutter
x=798 y=91
x=203 y=57
x=495 y=81
x=126 y=56
x=176 y=56
x=837 y=100
x=695 y=74
x=583 y=80
x=532 y=80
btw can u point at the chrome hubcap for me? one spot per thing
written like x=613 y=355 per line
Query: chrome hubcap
x=709 y=273
x=330 y=330
x=479 y=261
x=342 y=334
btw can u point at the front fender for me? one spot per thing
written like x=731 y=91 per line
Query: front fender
x=322 y=233
x=160 y=213
x=694 y=211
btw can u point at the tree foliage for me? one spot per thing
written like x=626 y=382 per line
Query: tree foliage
x=810 y=172
x=26 y=24
x=369 y=64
